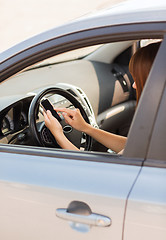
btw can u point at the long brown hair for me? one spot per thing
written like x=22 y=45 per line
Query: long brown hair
x=140 y=65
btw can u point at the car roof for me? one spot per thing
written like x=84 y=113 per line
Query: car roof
x=127 y=12
x=133 y=11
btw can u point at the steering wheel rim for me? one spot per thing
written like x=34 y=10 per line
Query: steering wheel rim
x=33 y=110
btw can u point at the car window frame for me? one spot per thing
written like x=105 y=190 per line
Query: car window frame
x=26 y=56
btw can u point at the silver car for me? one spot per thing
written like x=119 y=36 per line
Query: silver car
x=51 y=193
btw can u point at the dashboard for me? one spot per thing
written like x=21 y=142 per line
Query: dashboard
x=14 y=118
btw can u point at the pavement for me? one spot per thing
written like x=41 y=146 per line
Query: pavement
x=21 y=19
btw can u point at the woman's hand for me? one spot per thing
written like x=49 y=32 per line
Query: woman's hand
x=56 y=129
x=52 y=124
x=73 y=118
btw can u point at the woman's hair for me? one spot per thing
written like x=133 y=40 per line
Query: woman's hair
x=140 y=65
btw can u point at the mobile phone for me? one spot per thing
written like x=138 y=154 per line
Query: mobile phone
x=45 y=103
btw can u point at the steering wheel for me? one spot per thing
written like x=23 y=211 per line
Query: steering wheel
x=40 y=133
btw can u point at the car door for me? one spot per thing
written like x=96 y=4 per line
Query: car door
x=64 y=195
x=146 y=205
x=50 y=194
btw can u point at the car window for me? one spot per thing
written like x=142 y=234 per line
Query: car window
x=101 y=83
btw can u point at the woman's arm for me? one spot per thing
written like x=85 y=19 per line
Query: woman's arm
x=110 y=140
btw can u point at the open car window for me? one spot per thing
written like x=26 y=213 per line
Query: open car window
x=97 y=77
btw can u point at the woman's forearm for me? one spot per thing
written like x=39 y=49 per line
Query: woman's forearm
x=110 y=140
x=64 y=143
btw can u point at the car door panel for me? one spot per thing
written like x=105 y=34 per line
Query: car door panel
x=116 y=120
x=114 y=85
x=146 y=208
x=33 y=187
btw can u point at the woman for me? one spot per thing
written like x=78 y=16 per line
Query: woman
x=139 y=67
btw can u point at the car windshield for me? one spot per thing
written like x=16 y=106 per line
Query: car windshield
x=68 y=56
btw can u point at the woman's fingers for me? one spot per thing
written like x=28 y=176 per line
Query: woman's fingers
x=47 y=117
x=70 y=112
x=68 y=119
x=49 y=114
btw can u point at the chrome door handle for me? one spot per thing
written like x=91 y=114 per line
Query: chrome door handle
x=93 y=219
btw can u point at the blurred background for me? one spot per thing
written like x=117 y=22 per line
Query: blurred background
x=21 y=19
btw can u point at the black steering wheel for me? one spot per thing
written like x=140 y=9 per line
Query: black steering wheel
x=40 y=133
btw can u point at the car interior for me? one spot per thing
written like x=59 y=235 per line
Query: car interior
x=94 y=79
